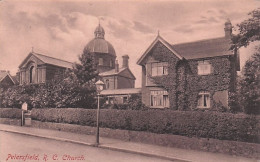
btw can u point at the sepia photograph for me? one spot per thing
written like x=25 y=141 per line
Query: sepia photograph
x=129 y=80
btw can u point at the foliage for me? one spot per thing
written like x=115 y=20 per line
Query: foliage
x=75 y=88
x=133 y=103
x=250 y=85
x=224 y=126
x=10 y=113
x=86 y=71
x=249 y=30
x=61 y=92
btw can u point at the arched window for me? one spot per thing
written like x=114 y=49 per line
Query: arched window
x=107 y=84
x=31 y=74
x=111 y=63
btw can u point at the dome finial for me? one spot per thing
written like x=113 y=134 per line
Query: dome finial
x=99 y=32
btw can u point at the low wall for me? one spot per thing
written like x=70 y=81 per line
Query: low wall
x=250 y=150
x=10 y=121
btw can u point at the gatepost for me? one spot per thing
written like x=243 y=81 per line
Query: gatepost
x=24 y=108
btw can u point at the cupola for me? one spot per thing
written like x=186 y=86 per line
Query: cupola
x=99 y=32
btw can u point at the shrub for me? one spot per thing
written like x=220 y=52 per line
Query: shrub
x=133 y=103
x=224 y=126
x=10 y=113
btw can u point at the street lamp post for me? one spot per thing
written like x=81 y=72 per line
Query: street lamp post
x=99 y=86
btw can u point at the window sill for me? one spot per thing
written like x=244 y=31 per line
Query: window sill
x=159 y=75
x=158 y=107
x=204 y=74
x=203 y=107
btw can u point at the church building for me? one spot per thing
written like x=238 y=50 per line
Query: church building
x=38 y=68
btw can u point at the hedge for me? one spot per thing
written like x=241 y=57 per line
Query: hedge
x=223 y=126
x=10 y=113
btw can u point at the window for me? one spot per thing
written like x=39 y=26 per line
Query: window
x=31 y=74
x=111 y=63
x=159 y=68
x=204 y=68
x=204 y=99
x=107 y=84
x=100 y=61
x=159 y=99
x=125 y=99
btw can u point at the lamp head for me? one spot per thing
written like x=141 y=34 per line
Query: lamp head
x=99 y=85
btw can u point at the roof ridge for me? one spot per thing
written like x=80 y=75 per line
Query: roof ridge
x=52 y=57
x=202 y=40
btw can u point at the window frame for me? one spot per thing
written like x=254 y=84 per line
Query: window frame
x=202 y=95
x=201 y=67
x=31 y=74
x=157 y=66
x=159 y=95
x=100 y=61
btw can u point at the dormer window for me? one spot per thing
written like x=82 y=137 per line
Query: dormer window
x=159 y=68
x=204 y=68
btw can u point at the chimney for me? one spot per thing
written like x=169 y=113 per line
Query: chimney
x=228 y=29
x=125 y=61
x=116 y=66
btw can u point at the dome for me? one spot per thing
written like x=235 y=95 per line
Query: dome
x=99 y=44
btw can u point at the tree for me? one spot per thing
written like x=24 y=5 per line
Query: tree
x=86 y=71
x=249 y=30
x=250 y=84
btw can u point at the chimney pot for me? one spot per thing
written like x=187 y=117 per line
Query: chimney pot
x=125 y=61
x=116 y=66
x=228 y=29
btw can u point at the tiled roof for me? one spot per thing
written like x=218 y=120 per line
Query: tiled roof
x=53 y=61
x=112 y=72
x=121 y=91
x=4 y=73
x=204 y=48
x=15 y=79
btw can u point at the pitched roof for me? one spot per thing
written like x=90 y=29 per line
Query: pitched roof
x=120 y=72
x=53 y=61
x=48 y=60
x=4 y=74
x=197 y=49
x=121 y=91
x=159 y=39
x=204 y=48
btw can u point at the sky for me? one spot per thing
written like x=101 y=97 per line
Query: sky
x=61 y=29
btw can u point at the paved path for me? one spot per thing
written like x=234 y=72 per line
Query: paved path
x=167 y=153
x=48 y=150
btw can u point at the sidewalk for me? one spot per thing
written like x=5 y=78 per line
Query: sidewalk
x=168 y=153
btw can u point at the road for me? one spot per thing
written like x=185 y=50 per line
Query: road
x=17 y=147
